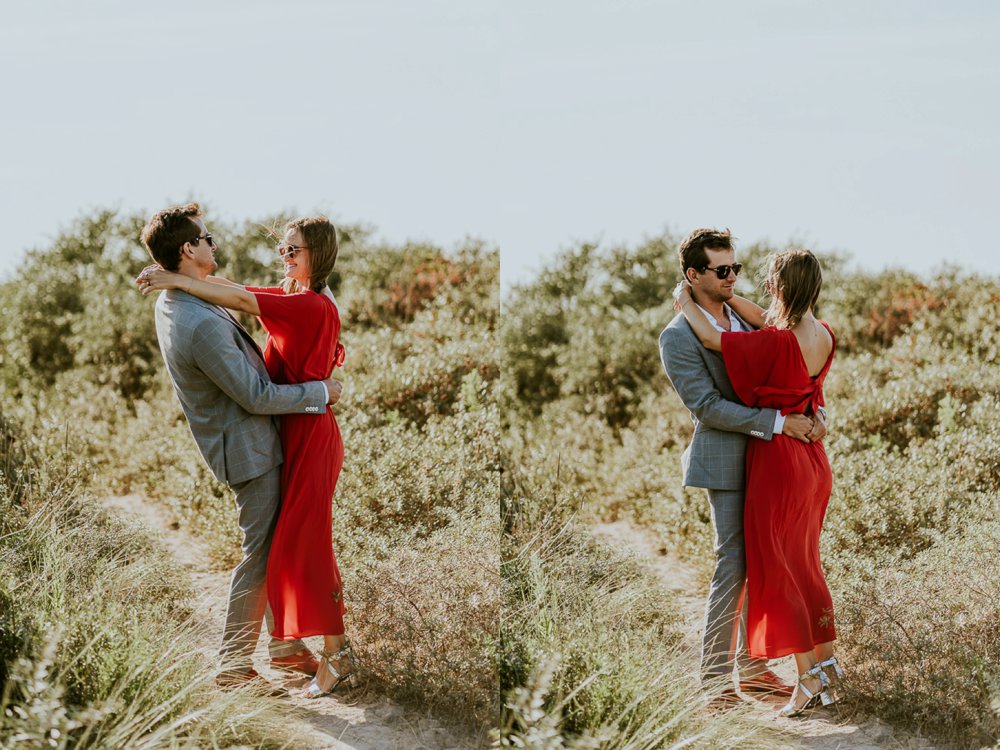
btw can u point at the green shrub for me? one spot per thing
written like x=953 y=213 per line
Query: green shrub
x=419 y=371
x=582 y=330
x=69 y=308
x=921 y=639
x=425 y=616
x=394 y=284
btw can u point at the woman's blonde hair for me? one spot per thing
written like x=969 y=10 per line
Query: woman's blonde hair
x=793 y=280
x=320 y=237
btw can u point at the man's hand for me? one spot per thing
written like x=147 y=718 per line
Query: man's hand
x=335 y=388
x=818 y=431
x=798 y=426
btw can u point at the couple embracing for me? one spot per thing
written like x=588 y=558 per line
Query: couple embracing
x=753 y=381
x=231 y=392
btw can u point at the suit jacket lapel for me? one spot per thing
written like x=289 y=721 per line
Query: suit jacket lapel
x=746 y=326
x=221 y=312
x=244 y=331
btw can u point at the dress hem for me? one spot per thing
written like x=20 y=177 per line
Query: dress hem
x=307 y=633
x=788 y=650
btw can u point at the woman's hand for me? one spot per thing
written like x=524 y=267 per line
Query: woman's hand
x=682 y=293
x=334 y=388
x=154 y=278
x=707 y=334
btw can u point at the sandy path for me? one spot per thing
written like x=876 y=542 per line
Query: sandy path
x=366 y=722
x=823 y=729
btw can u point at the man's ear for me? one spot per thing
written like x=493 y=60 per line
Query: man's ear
x=691 y=275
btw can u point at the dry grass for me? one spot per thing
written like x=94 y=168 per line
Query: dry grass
x=591 y=653
x=426 y=622
x=97 y=643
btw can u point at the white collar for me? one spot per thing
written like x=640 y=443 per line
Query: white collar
x=734 y=323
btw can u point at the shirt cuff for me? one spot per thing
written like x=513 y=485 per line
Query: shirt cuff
x=779 y=423
x=326 y=398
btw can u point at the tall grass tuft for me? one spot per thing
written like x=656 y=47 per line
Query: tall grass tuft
x=97 y=643
x=591 y=642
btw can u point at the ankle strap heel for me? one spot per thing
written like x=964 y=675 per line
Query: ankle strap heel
x=832 y=662
x=834 y=685
x=789 y=710
x=340 y=677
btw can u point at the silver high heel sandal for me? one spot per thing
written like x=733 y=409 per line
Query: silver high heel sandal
x=326 y=659
x=789 y=710
x=833 y=684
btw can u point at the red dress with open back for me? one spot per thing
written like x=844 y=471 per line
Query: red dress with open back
x=789 y=609
x=303 y=581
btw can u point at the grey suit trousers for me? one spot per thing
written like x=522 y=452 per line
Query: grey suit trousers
x=257 y=503
x=724 y=642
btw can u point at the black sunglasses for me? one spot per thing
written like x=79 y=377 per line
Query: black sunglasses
x=290 y=251
x=722 y=272
x=206 y=236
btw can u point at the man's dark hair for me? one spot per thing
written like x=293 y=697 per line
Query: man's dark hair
x=168 y=230
x=692 y=249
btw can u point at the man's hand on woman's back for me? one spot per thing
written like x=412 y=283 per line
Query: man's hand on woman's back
x=819 y=427
x=798 y=426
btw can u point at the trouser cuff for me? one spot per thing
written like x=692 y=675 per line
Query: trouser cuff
x=751 y=669
x=277 y=648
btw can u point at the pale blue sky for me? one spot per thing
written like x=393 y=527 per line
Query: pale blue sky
x=867 y=126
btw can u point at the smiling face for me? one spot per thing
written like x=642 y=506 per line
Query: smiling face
x=707 y=283
x=295 y=257
x=198 y=255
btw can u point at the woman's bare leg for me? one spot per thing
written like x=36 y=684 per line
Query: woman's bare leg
x=823 y=651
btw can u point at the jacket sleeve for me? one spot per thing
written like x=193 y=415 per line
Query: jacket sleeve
x=693 y=382
x=216 y=353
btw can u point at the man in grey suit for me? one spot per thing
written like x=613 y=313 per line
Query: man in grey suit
x=716 y=457
x=220 y=378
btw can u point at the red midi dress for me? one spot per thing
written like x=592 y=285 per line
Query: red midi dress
x=788 y=483
x=303 y=582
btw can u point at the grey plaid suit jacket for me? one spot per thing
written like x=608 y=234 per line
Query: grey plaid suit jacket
x=220 y=378
x=716 y=457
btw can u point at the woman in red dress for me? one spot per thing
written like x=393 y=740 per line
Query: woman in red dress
x=783 y=366
x=302 y=322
